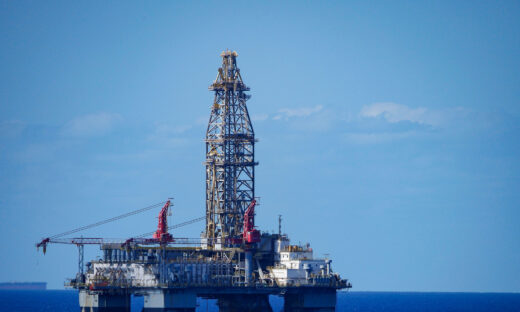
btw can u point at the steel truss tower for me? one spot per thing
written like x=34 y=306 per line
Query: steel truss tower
x=230 y=155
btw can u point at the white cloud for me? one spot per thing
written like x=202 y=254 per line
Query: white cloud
x=287 y=113
x=90 y=125
x=397 y=121
x=394 y=113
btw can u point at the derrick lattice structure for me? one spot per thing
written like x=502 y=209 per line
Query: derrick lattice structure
x=230 y=155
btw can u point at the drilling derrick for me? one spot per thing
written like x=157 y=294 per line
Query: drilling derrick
x=230 y=156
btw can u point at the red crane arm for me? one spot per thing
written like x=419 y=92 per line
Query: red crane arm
x=162 y=227
x=249 y=217
x=251 y=235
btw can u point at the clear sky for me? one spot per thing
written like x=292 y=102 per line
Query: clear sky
x=388 y=132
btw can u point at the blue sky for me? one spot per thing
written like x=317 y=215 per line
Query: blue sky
x=388 y=133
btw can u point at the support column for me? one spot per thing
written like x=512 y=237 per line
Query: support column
x=248 y=267
x=244 y=303
x=162 y=301
x=315 y=301
x=103 y=302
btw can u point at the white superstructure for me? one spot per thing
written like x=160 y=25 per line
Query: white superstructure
x=295 y=265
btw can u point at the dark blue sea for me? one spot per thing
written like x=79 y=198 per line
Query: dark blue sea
x=67 y=300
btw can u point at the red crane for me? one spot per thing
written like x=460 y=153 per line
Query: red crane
x=250 y=235
x=162 y=234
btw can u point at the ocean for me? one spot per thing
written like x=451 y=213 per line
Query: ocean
x=67 y=300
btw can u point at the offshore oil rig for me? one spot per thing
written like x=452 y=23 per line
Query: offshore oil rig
x=232 y=261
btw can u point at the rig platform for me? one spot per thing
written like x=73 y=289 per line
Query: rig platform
x=232 y=261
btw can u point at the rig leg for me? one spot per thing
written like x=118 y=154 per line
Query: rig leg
x=103 y=302
x=159 y=300
x=244 y=303
x=315 y=301
x=248 y=266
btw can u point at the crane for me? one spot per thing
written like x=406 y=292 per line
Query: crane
x=161 y=235
x=250 y=234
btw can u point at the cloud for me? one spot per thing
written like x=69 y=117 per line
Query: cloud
x=395 y=113
x=384 y=122
x=91 y=125
x=286 y=113
x=388 y=122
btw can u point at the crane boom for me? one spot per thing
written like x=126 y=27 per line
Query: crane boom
x=162 y=234
x=251 y=235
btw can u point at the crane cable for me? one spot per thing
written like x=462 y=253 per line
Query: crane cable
x=128 y=214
